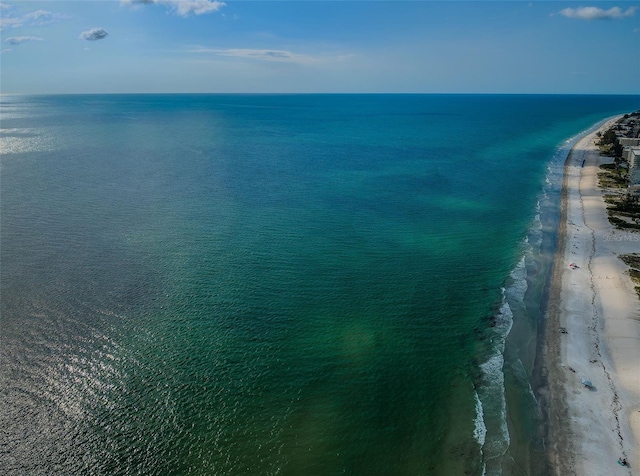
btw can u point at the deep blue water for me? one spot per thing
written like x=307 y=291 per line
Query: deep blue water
x=277 y=284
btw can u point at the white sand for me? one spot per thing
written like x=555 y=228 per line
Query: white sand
x=600 y=311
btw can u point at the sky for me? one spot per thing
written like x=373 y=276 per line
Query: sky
x=208 y=46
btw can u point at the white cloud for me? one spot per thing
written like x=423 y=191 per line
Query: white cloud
x=37 y=18
x=10 y=22
x=93 y=34
x=197 y=7
x=280 y=56
x=43 y=17
x=595 y=13
x=6 y=50
x=16 y=40
x=184 y=8
x=258 y=54
x=5 y=6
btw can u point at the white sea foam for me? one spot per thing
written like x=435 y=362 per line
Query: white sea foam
x=535 y=231
x=519 y=286
x=495 y=406
x=491 y=400
x=536 y=221
x=480 y=429
x=503 y=323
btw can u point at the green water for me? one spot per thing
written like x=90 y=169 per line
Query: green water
x=268 y=284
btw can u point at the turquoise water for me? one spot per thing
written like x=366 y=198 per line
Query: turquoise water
x=276 y=284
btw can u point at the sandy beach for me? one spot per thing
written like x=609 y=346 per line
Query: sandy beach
x=593 y=331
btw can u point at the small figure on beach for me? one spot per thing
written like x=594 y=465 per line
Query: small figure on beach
x=587 y=383
x=623 y=462
x=573 y=266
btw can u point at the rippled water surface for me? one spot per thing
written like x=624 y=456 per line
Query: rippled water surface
x=220 y=284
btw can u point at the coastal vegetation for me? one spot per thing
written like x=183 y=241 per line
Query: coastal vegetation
x=623 y=202
x=610 y=145
x=613 y=176
x=624 y=210
x=633 y=261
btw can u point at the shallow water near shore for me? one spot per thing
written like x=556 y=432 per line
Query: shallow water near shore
x=277 y=284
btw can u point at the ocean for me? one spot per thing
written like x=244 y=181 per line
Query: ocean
x=278 y=284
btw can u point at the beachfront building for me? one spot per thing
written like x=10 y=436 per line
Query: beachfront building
x=632 y=155
x=629 y=141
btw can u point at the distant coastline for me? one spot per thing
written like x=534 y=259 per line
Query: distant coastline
x=591 y=357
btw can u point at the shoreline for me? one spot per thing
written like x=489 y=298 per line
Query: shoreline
x=592 y=332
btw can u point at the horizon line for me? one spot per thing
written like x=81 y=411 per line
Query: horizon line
x=380 y=93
